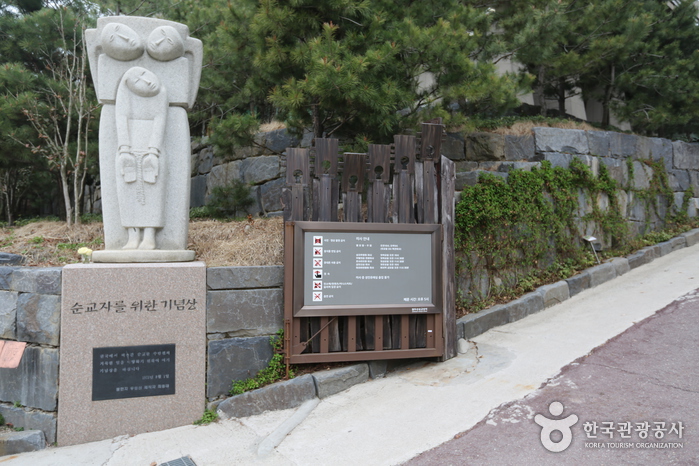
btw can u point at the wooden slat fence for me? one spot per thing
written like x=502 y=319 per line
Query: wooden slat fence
x=404 y=182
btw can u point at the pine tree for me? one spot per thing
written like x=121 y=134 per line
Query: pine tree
x=353 y=68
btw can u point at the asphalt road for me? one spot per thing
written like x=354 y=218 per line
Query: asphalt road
x=648 y=374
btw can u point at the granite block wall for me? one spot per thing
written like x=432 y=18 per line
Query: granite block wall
x=625 y=157
x=30 y=311
x=244 y=309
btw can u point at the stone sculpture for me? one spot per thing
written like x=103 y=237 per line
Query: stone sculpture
x=146 y=73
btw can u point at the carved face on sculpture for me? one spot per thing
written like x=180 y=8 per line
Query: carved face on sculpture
x=142 y=82
x=165 y=44
x=121 y=42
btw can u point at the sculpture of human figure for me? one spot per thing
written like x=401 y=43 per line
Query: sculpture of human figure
x=141 y=111
x=146 y=74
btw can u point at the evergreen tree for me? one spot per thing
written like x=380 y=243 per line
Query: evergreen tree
x=357 y=68
x=47 y=98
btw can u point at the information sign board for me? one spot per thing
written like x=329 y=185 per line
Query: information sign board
x=364 y=268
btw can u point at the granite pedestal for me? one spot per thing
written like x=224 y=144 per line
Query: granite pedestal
x=133 y=349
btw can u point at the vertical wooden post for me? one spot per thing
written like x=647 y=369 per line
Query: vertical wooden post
x=448 y=179
x=352 y=185
x=404 y=164
x=379 y=175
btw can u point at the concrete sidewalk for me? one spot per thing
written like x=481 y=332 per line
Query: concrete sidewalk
x=391 y=420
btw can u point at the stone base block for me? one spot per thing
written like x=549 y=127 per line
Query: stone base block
x=113 y=316
x=122 y=256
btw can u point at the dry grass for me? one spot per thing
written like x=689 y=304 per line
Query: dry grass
x=522 y=128
x=258 y=242
x=272 y=125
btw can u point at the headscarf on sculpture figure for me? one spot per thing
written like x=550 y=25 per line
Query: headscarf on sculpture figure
x=146 y=73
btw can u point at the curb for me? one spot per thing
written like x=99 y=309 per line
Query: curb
x=295 y=392
x=20 y=442
x=472 y=325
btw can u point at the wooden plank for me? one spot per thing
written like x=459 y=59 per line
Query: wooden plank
x=353 y=207
x=419 y=192
x=351 y=334
x=429 y=193
x=405 y=332
x=418 y=331
x=298 y=166
x=431 y=321
x=325 y=198
x=379 y=162
x=431 y=142
x=378 y=333
x=315 y=200
x=313 y=329
x=404 y=198
x=405 y=153
x=365 y=355
x=376 y=203
x=353 y=172
x=324 y=344
x=448 y=258
x=326 y=156
x=297 y=202
x=369 y=333
x=334 y=338
x=387 y=332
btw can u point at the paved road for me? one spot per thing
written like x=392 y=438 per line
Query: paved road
x=649 y=373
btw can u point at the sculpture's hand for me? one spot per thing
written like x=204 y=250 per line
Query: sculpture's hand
x=151 y=165
x=126 y=164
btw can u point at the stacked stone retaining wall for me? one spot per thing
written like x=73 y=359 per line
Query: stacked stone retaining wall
x=244 y=309
x=625 y=156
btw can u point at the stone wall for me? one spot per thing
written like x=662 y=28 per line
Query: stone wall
x=245 y=306
x=625 y=156
x=244 y=309
x=30 y=311
x=258 y=166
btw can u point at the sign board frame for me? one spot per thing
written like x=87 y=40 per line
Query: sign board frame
x=301 y=276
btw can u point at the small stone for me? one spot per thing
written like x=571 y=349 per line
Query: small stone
x=554 y=293
x=601 y=273
x=569 y=141
x=463 y=346
x=10 y=259
x=8 y=315
x=45 y=280
x=245 y=312
x=12 y=443
x=38 y=318
x=336 y=380
x=235 y=359
x=281 y=395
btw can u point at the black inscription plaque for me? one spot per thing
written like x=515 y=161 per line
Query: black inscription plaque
x=133 y=371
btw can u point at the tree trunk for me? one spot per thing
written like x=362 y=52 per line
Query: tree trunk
x=66 y=195
x=539 y=98
x=606 y=117
x=6 y=195
x=317 y=124
x=561 y=97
